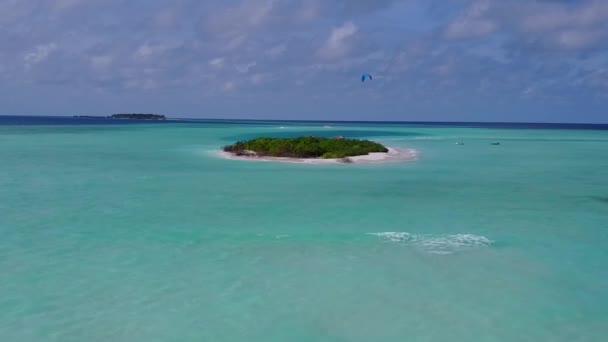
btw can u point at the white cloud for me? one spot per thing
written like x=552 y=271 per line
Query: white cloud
x=547 y=24
x=467 y=28
x=238 y=20
x=597 y=78
x=339 y=42
x=549 y=17
x=159 y=50
x=229 y=86
x=577 y=39
x=310 y=10
x=244 y=68
x=566 y=26
x=276 y=51
x=144 y=51
x=39 y=54
x=407 y=58
x=258 y=14
x=231 y=26
x=260 y=78
x=217 y=63
x=234 y=42
x=148 y=50
x=473 y=23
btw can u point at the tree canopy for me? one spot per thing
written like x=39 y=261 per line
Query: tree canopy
x=138 y=116
x=306 y=147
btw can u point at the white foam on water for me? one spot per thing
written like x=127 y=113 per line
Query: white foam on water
x=394 y=236
x=430 y=138
x=442 y=244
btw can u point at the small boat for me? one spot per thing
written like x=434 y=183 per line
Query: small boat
x=495 y=143
x=460 y=143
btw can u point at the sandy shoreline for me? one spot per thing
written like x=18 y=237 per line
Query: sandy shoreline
x=394 y=155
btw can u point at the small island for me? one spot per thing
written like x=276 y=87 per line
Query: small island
x=311 y=149
x=138 y=116
x=305 y=147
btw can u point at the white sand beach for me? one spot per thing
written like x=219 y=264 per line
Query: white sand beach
x=394 y=154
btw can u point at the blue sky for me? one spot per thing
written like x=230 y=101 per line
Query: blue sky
x=450 y=60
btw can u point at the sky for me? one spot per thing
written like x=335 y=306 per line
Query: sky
x=431 y=60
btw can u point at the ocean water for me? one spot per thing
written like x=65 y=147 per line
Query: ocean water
x=139 y=232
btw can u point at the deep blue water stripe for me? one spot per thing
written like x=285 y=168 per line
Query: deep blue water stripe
x=8 y=120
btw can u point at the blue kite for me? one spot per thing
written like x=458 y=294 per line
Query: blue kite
x=364 y=76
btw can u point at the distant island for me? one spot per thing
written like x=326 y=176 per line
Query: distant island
x=133 y=116
x=138 y=116
x=305 y=147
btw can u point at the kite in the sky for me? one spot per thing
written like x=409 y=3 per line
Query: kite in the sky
x=364 y=76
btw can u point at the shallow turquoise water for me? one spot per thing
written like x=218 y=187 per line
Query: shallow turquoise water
x=140 y=233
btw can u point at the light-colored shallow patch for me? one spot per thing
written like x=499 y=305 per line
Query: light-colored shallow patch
x=394 y=154
x=442 y=244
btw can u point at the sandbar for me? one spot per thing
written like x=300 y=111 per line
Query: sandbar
x=394 y=154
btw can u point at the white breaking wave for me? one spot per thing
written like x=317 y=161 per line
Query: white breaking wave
x=394 y=236
x=443 y=244
x=430 y=138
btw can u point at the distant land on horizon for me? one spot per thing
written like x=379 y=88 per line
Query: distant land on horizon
x=376 y=121
x=136 y=116
x=7 y=119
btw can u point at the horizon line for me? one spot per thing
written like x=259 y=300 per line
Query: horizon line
x=169 y=118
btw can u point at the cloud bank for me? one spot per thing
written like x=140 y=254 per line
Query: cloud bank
x=484 y=60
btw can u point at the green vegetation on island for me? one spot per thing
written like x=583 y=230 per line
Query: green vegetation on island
x=305 y=147
x=138 y=116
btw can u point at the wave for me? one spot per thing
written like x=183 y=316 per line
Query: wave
x=443 y=244
x=428 y=138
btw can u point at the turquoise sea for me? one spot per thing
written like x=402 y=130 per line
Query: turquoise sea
x=139 y=232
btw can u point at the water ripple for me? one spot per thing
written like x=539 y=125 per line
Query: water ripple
x=442 y=244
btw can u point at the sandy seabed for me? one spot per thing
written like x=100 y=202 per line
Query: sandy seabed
x=394 y=154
